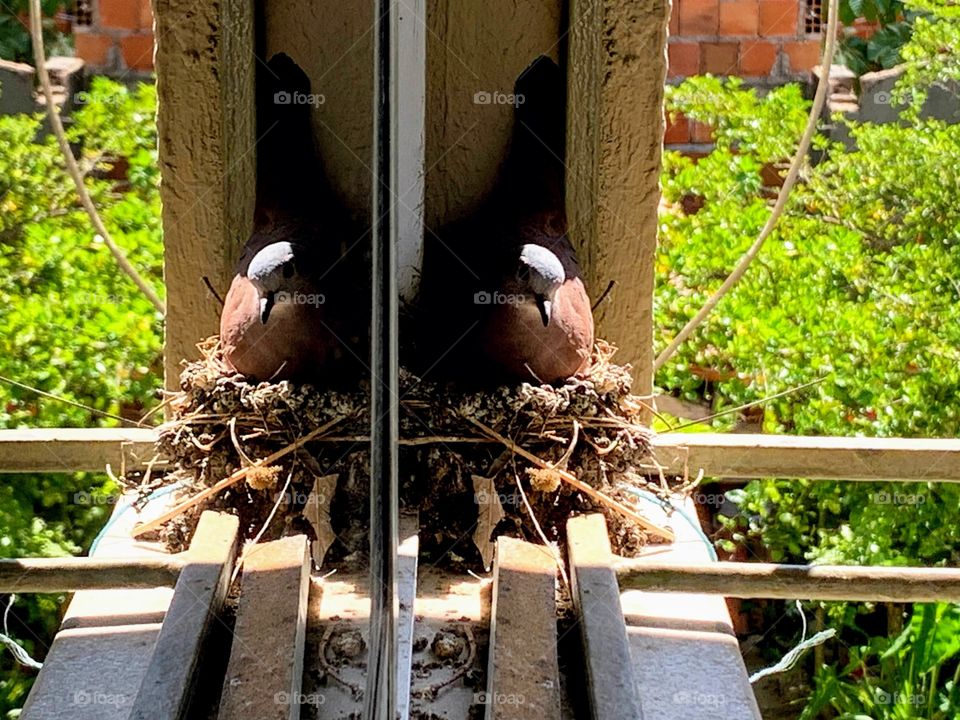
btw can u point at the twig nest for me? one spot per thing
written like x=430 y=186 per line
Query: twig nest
x=590 y=427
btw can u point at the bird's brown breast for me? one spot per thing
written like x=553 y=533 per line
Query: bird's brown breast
x=517 y=342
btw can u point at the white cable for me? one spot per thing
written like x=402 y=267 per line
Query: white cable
x=815 y=111
x=21 y=655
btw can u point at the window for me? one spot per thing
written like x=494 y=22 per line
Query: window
x=813 y=17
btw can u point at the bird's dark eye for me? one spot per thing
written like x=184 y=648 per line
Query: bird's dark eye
x=524 y=273
x=288 y=270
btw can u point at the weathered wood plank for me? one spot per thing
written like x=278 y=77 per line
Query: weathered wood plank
x=792 y=582
x=264 y=677
x=207 y=140
x=198 y=597
x=617 y=69
x=54 y=575
x=611 y=682
x=717 y=454
x=523 y=674
x=825 y=458
x=74 y=449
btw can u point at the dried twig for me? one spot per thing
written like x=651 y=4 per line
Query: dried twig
x=554 y=553
x=231 y=480
x=570 y=479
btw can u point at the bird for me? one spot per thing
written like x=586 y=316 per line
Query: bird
x=539 y=325
x=502 y=288
x=290 y=312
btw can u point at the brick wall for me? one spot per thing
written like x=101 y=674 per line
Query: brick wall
x=766 y=42
x=115 y=36
x=771 y=41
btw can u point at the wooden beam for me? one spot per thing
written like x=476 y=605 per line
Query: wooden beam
x=617 y=69
x=523 y=675
x=717 y=454
x=793 y=582
x=819 y=458
x=205 y=70
x=197 y=598
x=264 y=678
x=55 y=575
x=611 y=683
x=74 y=449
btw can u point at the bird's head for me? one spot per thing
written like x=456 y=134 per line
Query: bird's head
x=273 y=270
x=539 y=275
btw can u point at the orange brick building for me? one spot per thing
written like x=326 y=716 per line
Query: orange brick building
x=115 y=36
x=770 y=41
x=766 y=42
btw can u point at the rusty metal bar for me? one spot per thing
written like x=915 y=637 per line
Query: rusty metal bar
x=380 y=697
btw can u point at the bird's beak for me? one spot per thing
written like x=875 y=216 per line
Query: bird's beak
x=266 y=304
x=544 y=306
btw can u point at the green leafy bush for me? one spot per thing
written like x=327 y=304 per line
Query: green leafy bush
x=72 y=323
x=855 y=292
x=898 y=678
x=15 y=32
x=881 y=49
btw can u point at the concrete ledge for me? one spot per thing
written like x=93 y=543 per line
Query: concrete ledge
x=686 y=657
x=97 y=662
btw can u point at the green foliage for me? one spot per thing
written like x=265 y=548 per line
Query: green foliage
x=931 y=56
x=15 y=29
x=855 y=293
x=882 y=48
x=72 y=323
x=898 y=678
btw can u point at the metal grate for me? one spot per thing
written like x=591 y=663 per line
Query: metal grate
x=813 y=17
x=83 y=13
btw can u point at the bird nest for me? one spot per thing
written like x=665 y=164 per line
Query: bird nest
x=290 y=458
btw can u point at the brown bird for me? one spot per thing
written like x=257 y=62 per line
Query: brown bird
x=503 y=287
x=290 y=311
